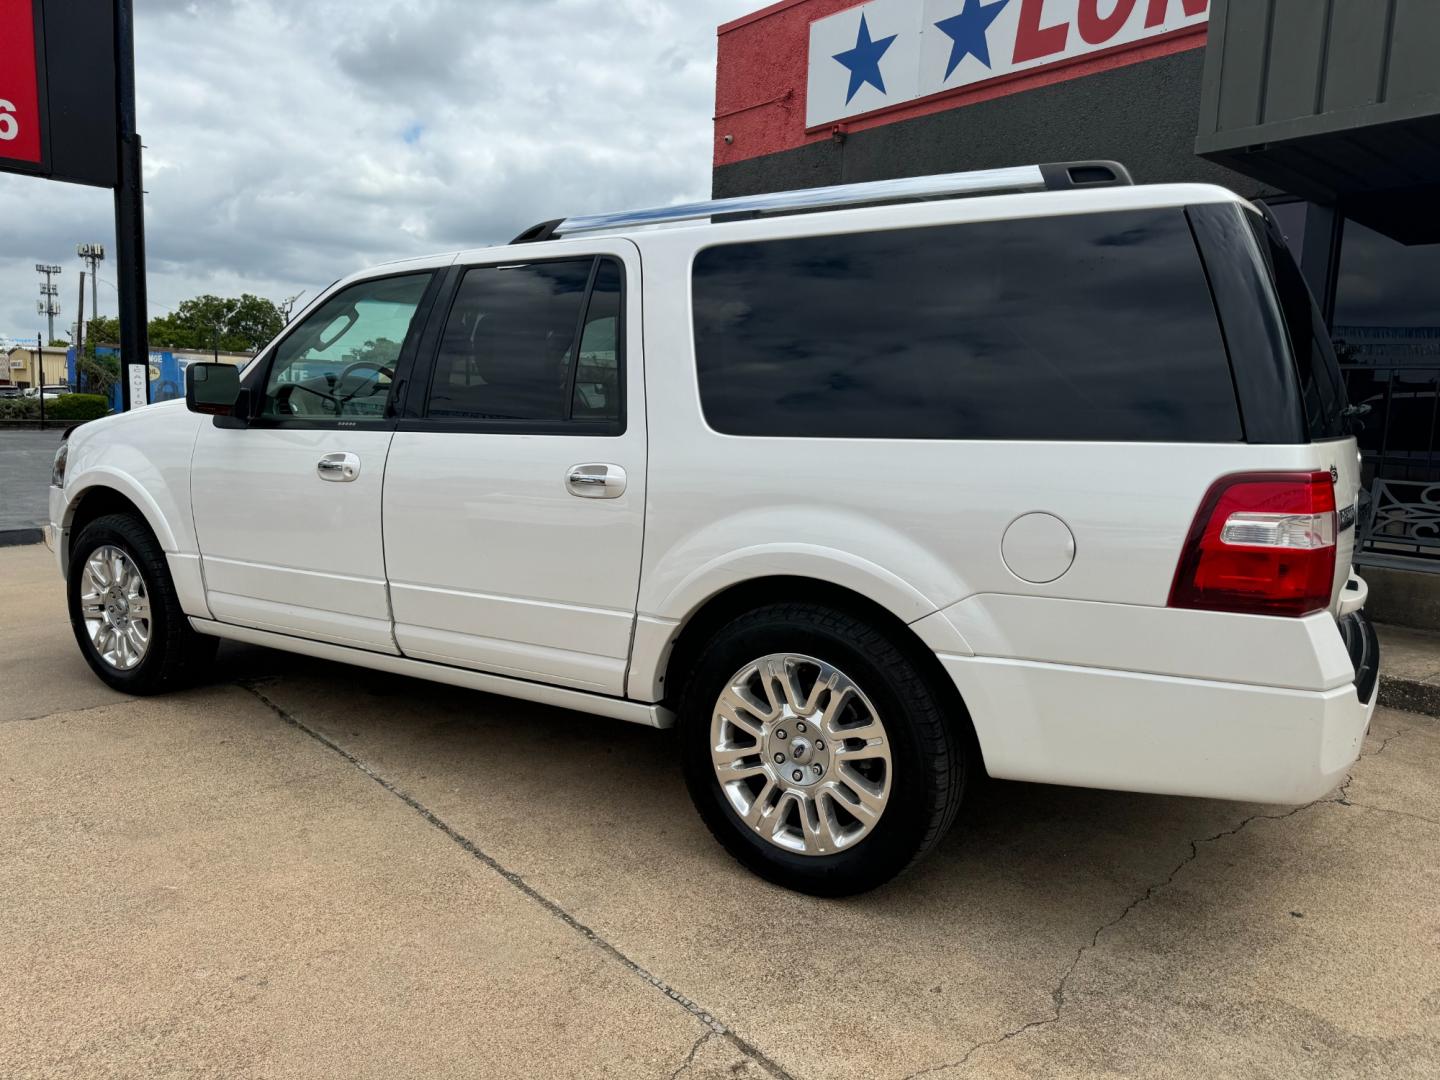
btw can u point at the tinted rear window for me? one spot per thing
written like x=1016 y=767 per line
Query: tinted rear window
x=1090 y=327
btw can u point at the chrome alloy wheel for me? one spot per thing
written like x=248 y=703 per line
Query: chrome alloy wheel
x=801 y=754
x=115 y=607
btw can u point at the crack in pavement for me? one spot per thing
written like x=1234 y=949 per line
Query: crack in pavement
x=690 y=1057
x=1343 y=797
x=69 y=712
x=1340 y=798
x=1397 y=813
x=1058 y=994
x=715 y=1026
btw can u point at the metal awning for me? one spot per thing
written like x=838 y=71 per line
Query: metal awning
x=1338 y=102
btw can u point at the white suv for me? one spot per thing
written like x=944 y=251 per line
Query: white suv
x=1029 y=472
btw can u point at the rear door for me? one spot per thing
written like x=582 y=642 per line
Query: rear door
x=515 y=491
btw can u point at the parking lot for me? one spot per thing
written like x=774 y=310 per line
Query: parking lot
x=25 y=461
x=309 y=870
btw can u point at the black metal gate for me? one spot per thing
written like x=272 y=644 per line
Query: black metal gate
x=1396 y=372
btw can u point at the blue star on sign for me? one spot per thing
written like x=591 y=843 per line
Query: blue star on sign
x=968 y=31
x=864 y=60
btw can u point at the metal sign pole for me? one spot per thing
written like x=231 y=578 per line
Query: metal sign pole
x=130 y=223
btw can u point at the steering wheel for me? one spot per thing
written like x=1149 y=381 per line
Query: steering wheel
x=374 y=365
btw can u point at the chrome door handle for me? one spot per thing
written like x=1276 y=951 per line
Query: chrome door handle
x=596 y=481
x=339 y=468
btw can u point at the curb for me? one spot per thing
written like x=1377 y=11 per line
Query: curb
x=20 y=537
x=1410 y=695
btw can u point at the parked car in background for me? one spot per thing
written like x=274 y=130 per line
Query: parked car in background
x=869 y=490
x=9 y=393
x=51 y=392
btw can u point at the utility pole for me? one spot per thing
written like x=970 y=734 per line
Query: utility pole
x=80 y=328
x=40 y=363
x=49 y=304
x=130 y=223
x=93 y=254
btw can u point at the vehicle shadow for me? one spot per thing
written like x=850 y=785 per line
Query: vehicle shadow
x=1039 y=895
x=1016 y=835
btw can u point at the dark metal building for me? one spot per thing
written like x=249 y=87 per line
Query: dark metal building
x=1329 y=110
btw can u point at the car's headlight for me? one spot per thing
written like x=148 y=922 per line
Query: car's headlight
x=57 y=472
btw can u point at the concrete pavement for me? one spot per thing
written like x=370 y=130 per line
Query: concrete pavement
x=320 y=871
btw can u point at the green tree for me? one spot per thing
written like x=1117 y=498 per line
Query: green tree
x=101 y=331
x=381 y=351
x=255 y=320
x=234 y=324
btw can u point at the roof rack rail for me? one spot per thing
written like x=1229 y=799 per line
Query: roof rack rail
x=1065 y=176
x=537 y=233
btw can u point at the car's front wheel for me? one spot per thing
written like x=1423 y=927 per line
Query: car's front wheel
x=125 y=612
x=816 y=750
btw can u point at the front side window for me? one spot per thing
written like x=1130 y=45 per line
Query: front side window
x=1087 y=327
x=537 y=343
x=340 y=362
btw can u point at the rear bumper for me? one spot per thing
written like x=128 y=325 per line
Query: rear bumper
x=1093 y=727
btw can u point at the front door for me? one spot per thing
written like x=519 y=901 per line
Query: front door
x=288 y=509
x=515 y=493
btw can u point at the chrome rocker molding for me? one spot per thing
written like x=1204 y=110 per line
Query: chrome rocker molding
x=633 y=712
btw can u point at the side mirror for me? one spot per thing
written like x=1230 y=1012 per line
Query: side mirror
x=212 y=389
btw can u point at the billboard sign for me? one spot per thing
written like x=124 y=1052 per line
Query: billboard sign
x=892 y=52
x=60 y=129
x=21 y=89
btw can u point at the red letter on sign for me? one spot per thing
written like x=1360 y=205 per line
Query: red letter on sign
x=19 y=90
x=1160 y=10
x=1097 y=31
x=1032 y=41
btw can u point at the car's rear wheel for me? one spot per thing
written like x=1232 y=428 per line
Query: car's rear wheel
x=817 y=751
x=125 y=612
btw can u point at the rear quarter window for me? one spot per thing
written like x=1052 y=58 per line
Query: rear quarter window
x=1086 y=327
x=1322 y=386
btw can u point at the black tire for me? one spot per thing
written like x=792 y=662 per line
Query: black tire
x=930 y=754
x=176 y=655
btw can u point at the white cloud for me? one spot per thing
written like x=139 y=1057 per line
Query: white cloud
x=288 y=144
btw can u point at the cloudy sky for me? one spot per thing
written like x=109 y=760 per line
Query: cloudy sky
x=290 y=143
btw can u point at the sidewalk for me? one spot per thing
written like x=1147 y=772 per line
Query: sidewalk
x=1409 y=670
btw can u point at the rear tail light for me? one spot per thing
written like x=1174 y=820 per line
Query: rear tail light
x=1262 y=544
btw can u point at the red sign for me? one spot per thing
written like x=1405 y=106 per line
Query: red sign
x=20 y=121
